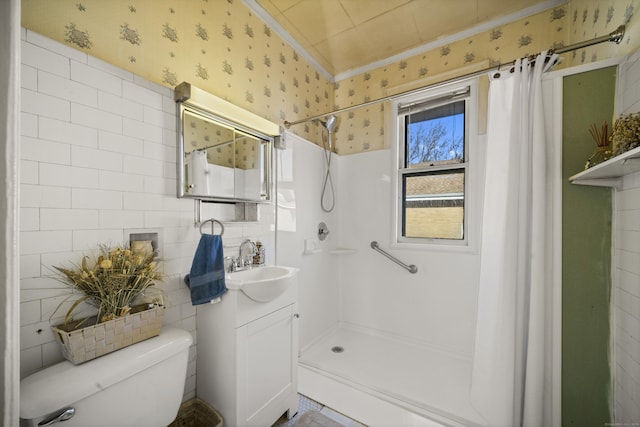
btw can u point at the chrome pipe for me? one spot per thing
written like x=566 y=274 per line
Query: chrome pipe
x=410 y=268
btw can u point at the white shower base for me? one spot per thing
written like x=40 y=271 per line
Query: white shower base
x=380 y=380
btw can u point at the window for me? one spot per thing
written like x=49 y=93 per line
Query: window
x=433 y=166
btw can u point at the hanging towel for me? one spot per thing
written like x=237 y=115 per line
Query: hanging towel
x=206 y=278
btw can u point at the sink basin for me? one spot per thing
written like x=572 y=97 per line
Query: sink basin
x=262 y=284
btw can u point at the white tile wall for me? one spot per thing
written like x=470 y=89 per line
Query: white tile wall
x=626 y=261
x=98 y=160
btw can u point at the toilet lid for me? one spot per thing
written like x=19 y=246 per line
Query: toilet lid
x=63 y=384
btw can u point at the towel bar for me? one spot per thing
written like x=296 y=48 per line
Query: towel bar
x=410 y=268
x=213 y=222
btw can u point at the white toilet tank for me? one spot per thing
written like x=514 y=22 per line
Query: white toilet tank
x=140 y=385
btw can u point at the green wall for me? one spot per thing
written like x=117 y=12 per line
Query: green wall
x=586 y=257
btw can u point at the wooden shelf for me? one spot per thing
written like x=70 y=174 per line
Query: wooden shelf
x=610 y=173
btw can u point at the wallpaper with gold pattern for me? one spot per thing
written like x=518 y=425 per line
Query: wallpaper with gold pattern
x=220 y=46
x=217 y=45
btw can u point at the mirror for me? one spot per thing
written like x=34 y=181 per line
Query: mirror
x=221 y=160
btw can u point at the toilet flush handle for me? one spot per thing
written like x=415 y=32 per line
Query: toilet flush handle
x=63 y=415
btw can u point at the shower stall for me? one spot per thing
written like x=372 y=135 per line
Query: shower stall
x=377 y=343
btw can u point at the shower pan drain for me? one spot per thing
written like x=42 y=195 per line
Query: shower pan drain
x=337 y=349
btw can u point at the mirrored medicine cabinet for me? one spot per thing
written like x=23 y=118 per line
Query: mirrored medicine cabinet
x=224 y=152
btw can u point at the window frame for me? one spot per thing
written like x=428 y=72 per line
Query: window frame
x=471 y=156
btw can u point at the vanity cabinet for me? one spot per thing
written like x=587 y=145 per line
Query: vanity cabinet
x=247 y=355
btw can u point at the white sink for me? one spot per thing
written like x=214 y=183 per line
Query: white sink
x=262 y=284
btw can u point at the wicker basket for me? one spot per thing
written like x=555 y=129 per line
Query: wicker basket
x=197 y=413
x=86 y=343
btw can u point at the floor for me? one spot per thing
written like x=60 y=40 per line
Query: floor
x=305 y=405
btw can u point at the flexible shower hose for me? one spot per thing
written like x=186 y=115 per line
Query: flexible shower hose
x=328 y=181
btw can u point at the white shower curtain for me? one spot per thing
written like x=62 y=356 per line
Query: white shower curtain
x=509 y=353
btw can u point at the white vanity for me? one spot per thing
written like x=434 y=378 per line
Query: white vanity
x=248 y=347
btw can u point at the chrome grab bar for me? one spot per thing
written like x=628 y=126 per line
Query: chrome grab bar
x=410 y=268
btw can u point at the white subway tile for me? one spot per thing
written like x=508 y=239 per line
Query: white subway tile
x=109 y=68
x=29 y=77
x=627 y=220
x=121 y=219
x=142 y=201
x=120 y=106
x=152 y=86
x=88 y=239
x=44 y=105
x=143 y=166
x=96 y=78
x=38 y=294
x=120 y=143
x=44 y=196
x=169 y=105
x=170 y=138
x=628 y=240
x=29 y=266
x=95 y=199
x=35 y=334
x=170 y=171
x=55 y=309
x=159 y=118
x=68 y=176
x=64 y=88
x=121 y=181
x=155 y=151
x=628 y=199
x=42 y=284
x=92 y=117
x=29 y=219
x=63 y=259
x=55 y=46
x=30 y=361
x=96 y=159
x=63 y=131
x=140 y=94
x=30 y=312
x=176 y=204
x=155 y=219
x=628 y=282
x=182 y=234
x=159 y=185
x=141 y=130
x=44 y=59
x=28 y=172
x=35 y=242
x=42 y=150
x=51 y=354
x=68 y=219
x=28 y=125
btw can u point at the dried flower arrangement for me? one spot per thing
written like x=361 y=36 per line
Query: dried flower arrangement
x=112 y=282
x=603 y=145
x=626 y=133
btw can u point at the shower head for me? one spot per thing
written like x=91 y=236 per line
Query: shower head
x=330 y=124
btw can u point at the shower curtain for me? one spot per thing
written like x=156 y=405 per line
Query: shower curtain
x=509 y=355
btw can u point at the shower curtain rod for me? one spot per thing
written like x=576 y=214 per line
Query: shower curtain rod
x=615 y=36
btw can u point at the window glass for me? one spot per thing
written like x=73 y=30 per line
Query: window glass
x=434 y=205
x=433 y=168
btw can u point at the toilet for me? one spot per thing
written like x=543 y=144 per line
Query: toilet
x=140 y=385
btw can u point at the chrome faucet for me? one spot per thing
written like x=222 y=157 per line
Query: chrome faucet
x=247 y=260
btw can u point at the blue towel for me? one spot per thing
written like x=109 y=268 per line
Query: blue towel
x=206 y=278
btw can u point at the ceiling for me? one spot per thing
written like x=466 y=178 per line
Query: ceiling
x=348 y=37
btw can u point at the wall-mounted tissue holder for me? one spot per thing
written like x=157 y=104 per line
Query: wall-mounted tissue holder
x=144 y=240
